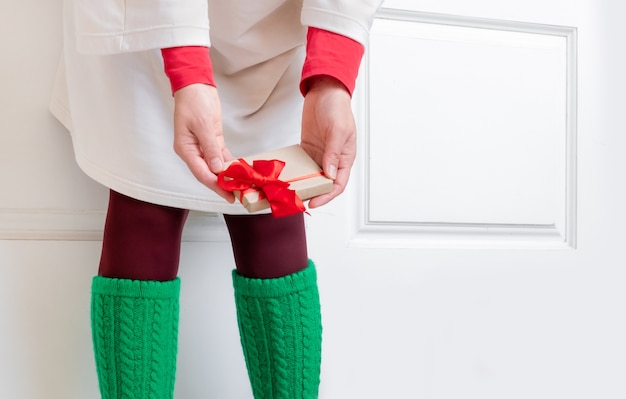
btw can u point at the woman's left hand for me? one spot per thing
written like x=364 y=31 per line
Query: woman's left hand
x=329 y=133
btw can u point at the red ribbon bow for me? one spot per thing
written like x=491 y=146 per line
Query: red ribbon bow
x=262 y=176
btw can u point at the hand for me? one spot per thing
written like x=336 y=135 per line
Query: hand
x=198 y=138
x=329 y=133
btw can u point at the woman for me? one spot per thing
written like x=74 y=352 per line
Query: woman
x=139 y=77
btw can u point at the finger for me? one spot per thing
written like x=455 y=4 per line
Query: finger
x=340 y=149
x=332 y=156
x=213 y=148
x=206 y=177
x=199 y=168
x=339 y=186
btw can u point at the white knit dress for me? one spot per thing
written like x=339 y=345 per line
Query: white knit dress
x=115 y=99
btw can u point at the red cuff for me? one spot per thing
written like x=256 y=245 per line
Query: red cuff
x=331 y=54
x=187 y=65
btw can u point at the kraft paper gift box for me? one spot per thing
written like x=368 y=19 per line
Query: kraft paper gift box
x=302 y=173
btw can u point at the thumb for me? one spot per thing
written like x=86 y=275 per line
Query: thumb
x=213 y=152
x=333 y=151
x=216 y=164
x=330 y=162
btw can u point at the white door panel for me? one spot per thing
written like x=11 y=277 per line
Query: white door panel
x=472 y=123
x=481 y=254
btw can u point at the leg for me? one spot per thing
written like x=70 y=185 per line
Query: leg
x=141 y=240
x=278 y=308
x=134 y=307
x=268 y=247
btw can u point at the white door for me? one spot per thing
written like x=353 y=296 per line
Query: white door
x=480 y=253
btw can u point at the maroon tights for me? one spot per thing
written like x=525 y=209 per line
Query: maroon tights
x=142 y=242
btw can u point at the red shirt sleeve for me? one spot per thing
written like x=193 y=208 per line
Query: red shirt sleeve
x=331 y=54
x=328 y=54
x=187 y=65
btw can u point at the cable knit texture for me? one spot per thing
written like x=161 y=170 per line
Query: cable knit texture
x=281 y=334
x=135 y=336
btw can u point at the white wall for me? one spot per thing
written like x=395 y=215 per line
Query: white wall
x=51 y=216
x=50 y=221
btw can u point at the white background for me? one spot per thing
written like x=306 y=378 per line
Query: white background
x=495 y=270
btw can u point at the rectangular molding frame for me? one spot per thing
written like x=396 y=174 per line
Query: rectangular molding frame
x=381 y=234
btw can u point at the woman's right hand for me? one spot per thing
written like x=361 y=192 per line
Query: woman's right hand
x=198 y=138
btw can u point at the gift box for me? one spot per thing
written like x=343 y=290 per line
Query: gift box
x=264 y=180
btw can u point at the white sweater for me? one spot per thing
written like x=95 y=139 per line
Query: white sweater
x=114 y=97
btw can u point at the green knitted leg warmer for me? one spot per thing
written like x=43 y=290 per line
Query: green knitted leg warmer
x=281 y=334
x=135 y=335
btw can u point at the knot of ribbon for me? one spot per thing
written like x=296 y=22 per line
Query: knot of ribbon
x=262 y=176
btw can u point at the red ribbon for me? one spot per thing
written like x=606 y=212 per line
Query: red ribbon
x=262 y=176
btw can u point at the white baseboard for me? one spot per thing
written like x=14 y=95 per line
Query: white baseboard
x=87 y=225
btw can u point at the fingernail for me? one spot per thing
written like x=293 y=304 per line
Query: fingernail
x=216 y=164
x=332 y=172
